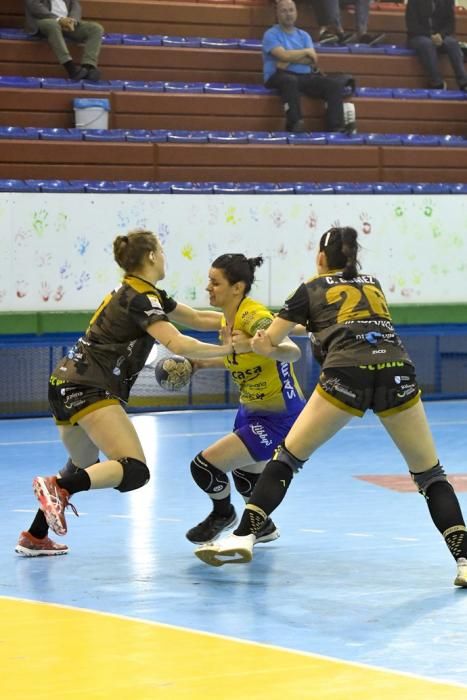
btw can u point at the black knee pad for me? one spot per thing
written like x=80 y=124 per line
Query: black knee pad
x=429 y=477
x=282 y=454
x=208 y=477
x=135 y=474
x=244 y=481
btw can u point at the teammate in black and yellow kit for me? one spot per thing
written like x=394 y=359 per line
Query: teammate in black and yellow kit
x=88 y=388
x=270 y=400
x=364 y=365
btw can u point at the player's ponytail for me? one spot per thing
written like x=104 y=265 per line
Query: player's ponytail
x=130 y=250
x=341 y=249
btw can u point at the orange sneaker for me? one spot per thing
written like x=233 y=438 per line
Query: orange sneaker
x=30 y=546
x=53 y=500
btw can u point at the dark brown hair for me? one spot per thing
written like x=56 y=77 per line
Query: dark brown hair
x=130 y=250
x=238 y=268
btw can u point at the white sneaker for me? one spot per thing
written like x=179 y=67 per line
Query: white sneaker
x=461 y=578
x=234 y=549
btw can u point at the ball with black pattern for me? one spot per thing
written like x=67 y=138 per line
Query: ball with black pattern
x=173 y=373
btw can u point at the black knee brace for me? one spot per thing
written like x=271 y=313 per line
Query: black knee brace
x=282 y=454
x=244 y=482
x=135 y=474
x=425 y=479
x=208 y=477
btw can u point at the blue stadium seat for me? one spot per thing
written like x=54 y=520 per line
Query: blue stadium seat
x=431 y=188
x=18 y=81
x=142 y=39
x=104 y=134
x=311 y=138
x=420 y=140
x=400 y=51
x=274 y=188
x=365 y=49
x=107 y=186
x=383 y=139
x=191 y=42
x=458 y=188
x=139 y=136
x=228 y=137
x=271 y=138
x=250 y=44
x=180 y=136
x=18 y=132
x=14 y=33
x=192 y=187
x=258 y=90
x=112 y=38
x=159 y=135
x=234 y=188
x=56 y=134
x=143 y=85
x=150 y=187
x=329 y=48
x=7 y=185
x=353 y=188
x=392 y=188
x=410 y=94
x=184 y=87
x=337 y=138
x=224 y=88
x=208 y=43
x=103 y=85
x=59 y=185
x=373 y=92
x=451 y=140
x=447 y=94
x=314 y=188
x=61 y=84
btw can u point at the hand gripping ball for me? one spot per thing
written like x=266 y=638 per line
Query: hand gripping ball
x=173 y=373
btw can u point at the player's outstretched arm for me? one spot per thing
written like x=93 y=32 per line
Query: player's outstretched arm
x=196 y=318
x=179 y=344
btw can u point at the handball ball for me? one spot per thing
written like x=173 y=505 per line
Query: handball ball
x=173 y=373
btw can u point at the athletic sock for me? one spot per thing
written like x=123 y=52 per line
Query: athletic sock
x=447 y=516
x=75 y=482
x=267 y=495
x=222 y=507
x=39 y=527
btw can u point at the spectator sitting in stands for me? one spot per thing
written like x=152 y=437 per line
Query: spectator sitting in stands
x=290 y=65
x=430 y=30
x=328 y=14
x=57 y=20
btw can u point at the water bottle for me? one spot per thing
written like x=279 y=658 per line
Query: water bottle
x=350 y=123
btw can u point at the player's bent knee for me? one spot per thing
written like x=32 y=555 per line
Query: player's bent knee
x=135 y=474
x=282 y=454
x=429 y=477
x=209 y=478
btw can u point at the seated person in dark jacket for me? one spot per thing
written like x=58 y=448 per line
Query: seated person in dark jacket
x=57 y=20
x=290 y=65
x=430 y=30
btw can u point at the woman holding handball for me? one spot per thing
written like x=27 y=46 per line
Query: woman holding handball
x=91 y=384
x=364 y=366
x=270 y=399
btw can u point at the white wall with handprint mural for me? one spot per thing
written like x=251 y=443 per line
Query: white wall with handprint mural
x=56 y=249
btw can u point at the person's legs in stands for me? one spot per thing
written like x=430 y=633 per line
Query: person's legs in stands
x=288 y=86
x=456 y=58
x=51 y=30
x=330 y=91
x=90 y=34
x=428 y=55
x=362 y=13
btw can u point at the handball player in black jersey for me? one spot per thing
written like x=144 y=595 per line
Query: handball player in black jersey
x=90 y=386
x=364 y=365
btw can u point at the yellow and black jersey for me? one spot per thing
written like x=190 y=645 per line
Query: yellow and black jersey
x=116 y=345
x=349 y=320
x=266 y=385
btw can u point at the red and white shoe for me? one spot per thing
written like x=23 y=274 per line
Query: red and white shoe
x=53 y=500
x=30 y=546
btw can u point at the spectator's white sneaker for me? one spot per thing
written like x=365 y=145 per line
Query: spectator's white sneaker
x=461 y=578
x=234 y=549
